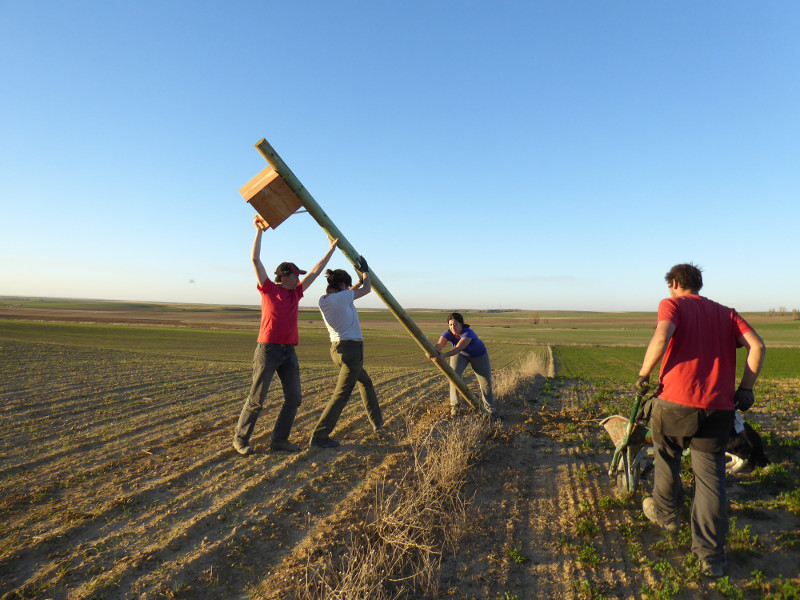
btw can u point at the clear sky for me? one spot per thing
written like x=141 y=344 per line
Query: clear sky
x=533 y=155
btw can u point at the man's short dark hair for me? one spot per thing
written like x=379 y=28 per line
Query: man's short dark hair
x=688 y=276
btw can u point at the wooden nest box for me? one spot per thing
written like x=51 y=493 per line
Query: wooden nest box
x=268 y=193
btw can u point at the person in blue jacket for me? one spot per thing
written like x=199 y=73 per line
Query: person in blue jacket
x=467 y=349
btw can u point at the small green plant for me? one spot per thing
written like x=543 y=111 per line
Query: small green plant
x=665 y=544
x=685 y=537
x=775 y=475
x=692 y=567
x=587 y=528
x=588 y=591
x=742 y=540
x=588 y=555
x=783 y=590
x=669 y=585
x=628 y=530
x=790 y=501
x=665 y=590
x=634 y=550
x=727 y=590
x=610 y=502
x=757 y=578
x=509 y=596
x=516 y=556
x=789 y=540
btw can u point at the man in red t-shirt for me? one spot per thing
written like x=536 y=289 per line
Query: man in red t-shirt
x=695 y=341
x=275 y=352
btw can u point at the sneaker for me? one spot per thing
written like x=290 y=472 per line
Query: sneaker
x=453 y=412
x=242 y=447
x=713 y=570
x=284 y=446
x=326 y=443
x=649 y=509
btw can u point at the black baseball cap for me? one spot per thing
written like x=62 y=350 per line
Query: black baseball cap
x=289 y=268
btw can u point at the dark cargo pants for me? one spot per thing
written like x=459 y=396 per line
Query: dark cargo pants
x=348 y=355
x=269 y=359
x=705 y=433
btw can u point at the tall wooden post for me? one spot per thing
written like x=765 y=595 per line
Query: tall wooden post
x=308 y=202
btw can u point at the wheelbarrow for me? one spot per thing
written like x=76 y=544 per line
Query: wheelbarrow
x=633 y=447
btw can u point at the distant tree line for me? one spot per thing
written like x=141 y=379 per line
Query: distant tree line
x=783 y=312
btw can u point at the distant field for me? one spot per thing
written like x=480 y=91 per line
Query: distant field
x=588 y=344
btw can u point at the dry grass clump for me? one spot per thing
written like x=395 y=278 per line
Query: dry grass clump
x=537 y=362
x=398 y=549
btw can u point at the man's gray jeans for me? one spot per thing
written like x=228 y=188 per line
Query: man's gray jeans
x=268 y=360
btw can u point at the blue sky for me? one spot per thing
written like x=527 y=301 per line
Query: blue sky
x=534 y=155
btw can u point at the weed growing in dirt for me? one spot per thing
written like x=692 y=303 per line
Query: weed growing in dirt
x=741 y=540
x=588 y=555
x=727 y=590
x=610 y=503
x=666 y=589
x=587 y=528
x=516 y=556
x=588 y=590
x=778 y=589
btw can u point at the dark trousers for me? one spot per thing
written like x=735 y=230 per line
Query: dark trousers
x=349 y=357
x=705 y=433
x=268 y=360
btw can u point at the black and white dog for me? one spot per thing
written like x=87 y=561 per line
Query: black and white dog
x=745 y=449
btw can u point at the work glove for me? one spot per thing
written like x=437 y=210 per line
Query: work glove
x=743 y=399
x=642 y=385
x=361 y=266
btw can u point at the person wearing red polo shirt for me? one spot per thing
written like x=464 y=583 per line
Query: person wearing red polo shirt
x=275 y=351
x=696 y=340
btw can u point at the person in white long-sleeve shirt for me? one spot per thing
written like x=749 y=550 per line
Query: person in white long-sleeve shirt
x=347 y=352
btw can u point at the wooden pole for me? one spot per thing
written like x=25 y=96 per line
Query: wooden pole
x=308 y=202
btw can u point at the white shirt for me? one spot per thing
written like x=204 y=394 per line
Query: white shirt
x=340 y=316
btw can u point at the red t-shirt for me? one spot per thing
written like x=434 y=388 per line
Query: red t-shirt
x=279 y=313
x=699 y=366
